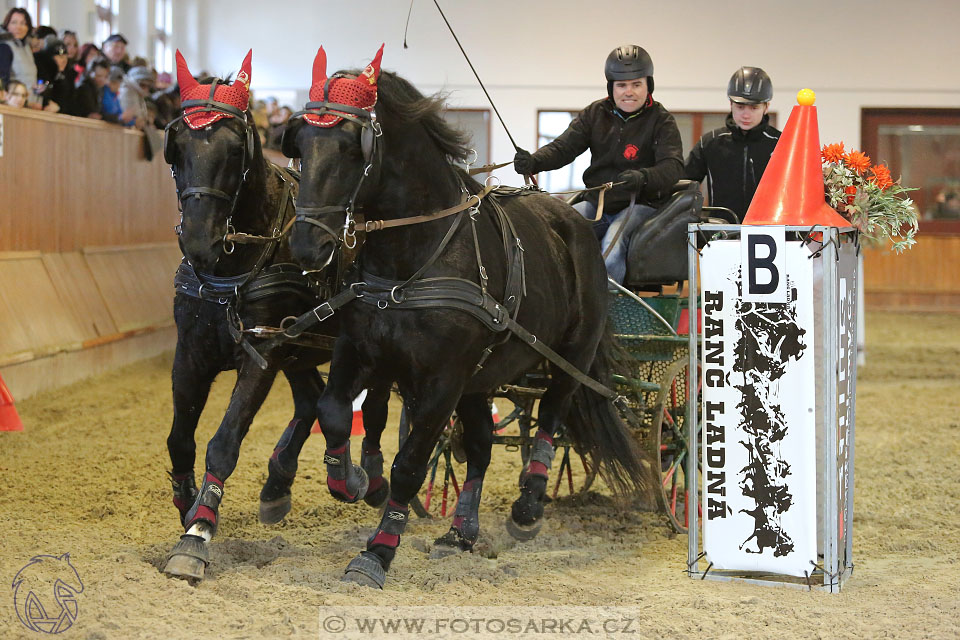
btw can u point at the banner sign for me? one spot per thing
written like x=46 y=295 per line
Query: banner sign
x=846 y=377
x=758 y=415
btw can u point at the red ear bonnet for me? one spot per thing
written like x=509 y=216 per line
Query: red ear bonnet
x=360 y=92
x=236 y=94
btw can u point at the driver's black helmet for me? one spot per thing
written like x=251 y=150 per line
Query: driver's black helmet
x=629 y=62
x=750 y=85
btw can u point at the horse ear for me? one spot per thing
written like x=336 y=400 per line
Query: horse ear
x=320 y=67
x=372 y=71
x=184 y=77
x=243 y=78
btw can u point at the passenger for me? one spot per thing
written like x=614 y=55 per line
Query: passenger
x=633 y=140
x=733 y=157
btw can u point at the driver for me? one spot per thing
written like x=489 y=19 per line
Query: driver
x=632 y=139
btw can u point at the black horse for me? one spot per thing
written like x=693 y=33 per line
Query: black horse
x=471 y=292
x=230 y=287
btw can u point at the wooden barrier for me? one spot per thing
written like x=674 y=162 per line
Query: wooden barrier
x=69 y=183
x=925 y=277
x=87 y=249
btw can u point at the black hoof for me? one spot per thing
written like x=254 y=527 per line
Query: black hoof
x=379 y=497
x=188 y=559
x=365 y=570
x=274 y=511
x=523 y=532
x=362 y=483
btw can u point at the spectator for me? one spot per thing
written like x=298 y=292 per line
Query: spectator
x=115 y=50
x=131 y=94
x=39 y=36
x=16 y=58
x=58 y=89
x=110 y=101
x=278 y=122
x=89 y=97
x=73 y=49
x=88 y=53
x=17 y=94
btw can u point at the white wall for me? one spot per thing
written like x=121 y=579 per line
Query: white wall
x=541 y=54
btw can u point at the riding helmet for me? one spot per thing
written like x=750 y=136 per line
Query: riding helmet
x=750 y=85
x=629 y=62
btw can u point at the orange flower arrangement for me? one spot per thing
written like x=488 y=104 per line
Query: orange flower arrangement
x=833 y=152
x=881 y=176
x=868 y=197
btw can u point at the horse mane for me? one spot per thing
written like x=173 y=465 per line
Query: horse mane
x=404 y=102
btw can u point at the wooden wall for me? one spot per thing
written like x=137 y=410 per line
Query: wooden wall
x=87 y=249
x=69 y=183
x=926 y=277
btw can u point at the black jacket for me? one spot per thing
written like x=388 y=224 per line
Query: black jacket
x=732 y=161
x=646 y=139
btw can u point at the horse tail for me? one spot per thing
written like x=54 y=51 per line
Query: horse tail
x=610 y=435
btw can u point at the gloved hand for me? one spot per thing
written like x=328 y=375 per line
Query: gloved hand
x=634 y=180
x=523 y=163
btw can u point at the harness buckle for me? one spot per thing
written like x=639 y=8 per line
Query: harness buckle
x=327 y=311
x=393 y=295
x=228 y=246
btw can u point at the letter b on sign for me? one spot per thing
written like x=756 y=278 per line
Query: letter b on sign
x=763 y=265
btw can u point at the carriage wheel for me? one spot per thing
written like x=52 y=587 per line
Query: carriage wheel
x=669 y=444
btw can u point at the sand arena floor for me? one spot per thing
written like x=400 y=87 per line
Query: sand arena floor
x=88 y=477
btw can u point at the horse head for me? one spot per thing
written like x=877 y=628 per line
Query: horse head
x=336 y=138
x=211 y=149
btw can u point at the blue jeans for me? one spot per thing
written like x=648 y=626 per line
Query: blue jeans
x=607 y=227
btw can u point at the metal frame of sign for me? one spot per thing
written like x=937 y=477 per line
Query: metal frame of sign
x=837 y=562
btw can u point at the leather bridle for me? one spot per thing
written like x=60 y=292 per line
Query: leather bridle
x=370 y=134
x=248 y=149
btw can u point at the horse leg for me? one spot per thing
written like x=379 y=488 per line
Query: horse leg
x=371 y=459
x=474 y=412
x=526 y=515
x=275 y=501
x=347 y=482
x=190 y=556
x=430 y=407
x=191 y=386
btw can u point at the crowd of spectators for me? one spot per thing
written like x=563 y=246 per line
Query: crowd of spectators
x=43 y=69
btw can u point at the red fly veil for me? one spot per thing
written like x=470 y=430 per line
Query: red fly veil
x=236 y=94
x=360 y=92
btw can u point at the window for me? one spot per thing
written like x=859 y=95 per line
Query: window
x=476 y=122
x=163 y=28
x=550 y=124
x=922 y=148
x=39 y=10
x=107 y=12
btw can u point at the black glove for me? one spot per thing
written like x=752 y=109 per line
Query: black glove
x=634 y=180
x=523 y=163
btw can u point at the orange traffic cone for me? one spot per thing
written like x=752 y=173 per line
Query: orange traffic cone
x=791 y=189
x=356 y=427
x=9 y=420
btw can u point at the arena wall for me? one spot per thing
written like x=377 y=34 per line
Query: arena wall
x=87 y=250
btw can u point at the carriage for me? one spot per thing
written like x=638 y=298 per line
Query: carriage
x=522 y=245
